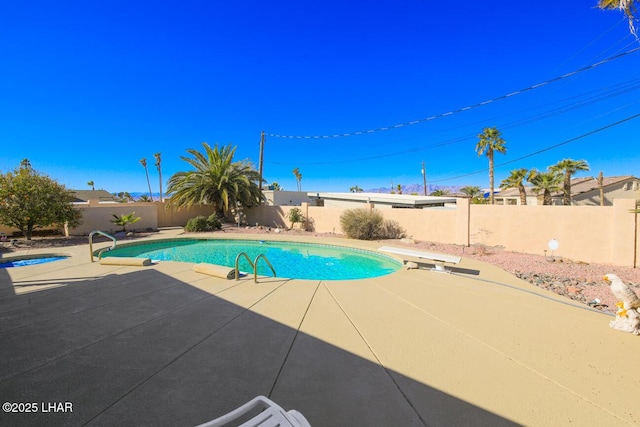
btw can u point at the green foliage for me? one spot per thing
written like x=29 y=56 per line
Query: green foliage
x=197 y=224
x=214 y=222
x=30 y=200
x=216 y=180
x=367 y=224
x=123 y=197
x=124 y=220
x=440 y=192
x=295 y=216
x=202 y=223
x=298 y=175
x=361 y=223
x=547 y=183
x=490 y=142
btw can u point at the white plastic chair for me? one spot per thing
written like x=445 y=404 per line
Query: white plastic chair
x=272 y=416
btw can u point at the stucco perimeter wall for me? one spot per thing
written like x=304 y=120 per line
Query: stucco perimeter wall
x=595 y=234
x=172 y=217
x=98 y=216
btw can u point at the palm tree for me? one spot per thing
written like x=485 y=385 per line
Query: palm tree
x=568 y=167
x=628 y=7
x=399 y=188
x=90 y=184
x=124 y=220
x=143 y=162
x=216 y=180
x=275 y=186
x=144 y=198
x=298 y=175
x=471 y=190
x=158 y=157
x=515 y=180
x=546 y=183
x=490 y=142
x=356 y=189
x=440 y=192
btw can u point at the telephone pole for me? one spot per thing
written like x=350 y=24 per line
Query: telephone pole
x=260 y=162
x=424 y=178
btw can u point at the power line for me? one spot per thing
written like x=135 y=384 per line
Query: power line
x=459 y=110
x=551 y=147
x=575 y=103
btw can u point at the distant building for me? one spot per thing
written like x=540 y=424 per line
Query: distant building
x=83 y=196
x=380 y=200
x=584 y=192
x=285 y=198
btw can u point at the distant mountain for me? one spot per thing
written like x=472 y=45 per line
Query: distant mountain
x=417 y=189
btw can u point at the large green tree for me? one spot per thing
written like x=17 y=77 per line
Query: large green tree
x=30 y=200
x=516 y=180
x=216 y=180
x=568 y=167
x=489 y=142
x=546 y=183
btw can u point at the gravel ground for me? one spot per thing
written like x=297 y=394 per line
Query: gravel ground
x=579 y=281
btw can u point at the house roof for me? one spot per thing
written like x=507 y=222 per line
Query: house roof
x=384 y=198
x=578 y=186
x=86 y=195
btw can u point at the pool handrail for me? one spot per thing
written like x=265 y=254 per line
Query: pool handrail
x=104 y=249
x=253 y=264
x=255 y=267
x=237 y=270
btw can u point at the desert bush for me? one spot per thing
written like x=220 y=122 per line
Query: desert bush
x=198 y=223
x=295 y=216
x=362 y=223
x=392 y=230
x=214 y=222
x=366 y=224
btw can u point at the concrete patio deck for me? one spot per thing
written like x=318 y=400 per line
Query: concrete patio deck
x=163 y=345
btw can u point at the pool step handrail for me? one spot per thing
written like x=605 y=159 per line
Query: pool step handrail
x=237 y=271
x=104 y=249
x=254 y=265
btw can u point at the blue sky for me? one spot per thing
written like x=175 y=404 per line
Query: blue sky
x=87 y=89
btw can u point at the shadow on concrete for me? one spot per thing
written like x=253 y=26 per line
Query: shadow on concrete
x=144 y=348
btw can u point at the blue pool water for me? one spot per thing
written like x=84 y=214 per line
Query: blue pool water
x=290 y=260
x=22 y=262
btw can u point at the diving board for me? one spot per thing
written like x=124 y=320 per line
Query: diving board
x=422 y=254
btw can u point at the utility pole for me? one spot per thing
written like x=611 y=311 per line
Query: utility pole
x=260 y=162
x=424 y=178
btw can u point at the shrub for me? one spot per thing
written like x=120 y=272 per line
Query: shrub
x=198 y=223
x=362 y=223
x=366 y=224
x=295 y=215
x=392 y=230
x=214 y=222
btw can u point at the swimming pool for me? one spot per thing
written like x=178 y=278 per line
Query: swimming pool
x=25 y=260
x=290 y=260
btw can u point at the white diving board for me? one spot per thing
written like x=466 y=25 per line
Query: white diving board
x=421 y=254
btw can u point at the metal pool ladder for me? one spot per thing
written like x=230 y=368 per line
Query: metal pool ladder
x=253 y=264
x=104 y=249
